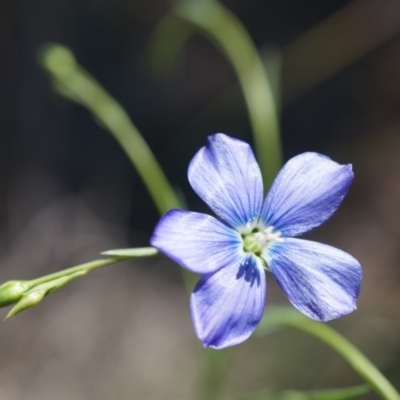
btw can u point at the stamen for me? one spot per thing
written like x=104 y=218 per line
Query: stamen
x=257 y=238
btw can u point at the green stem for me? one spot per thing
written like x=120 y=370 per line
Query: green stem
x=341 y=345
x=348 y=393
x=77 y=84
x=229 y=34
x=212 y=375
x=87 y=267
x=166 y=42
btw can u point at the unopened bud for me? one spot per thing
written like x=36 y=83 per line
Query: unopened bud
x=28 y=300
x=58 y=59
x=35 y=295
x=12 y=291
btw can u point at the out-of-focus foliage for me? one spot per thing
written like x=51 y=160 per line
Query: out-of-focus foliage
x=69 y=193
x=333 y=394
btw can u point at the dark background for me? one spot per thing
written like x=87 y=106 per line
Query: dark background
x=69 y=192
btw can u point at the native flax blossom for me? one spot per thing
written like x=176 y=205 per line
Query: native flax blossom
x=252 y=235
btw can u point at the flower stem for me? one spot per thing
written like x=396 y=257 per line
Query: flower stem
x=360 y=363
x=27 y=294
x=72 y=81
x=212 y=375
x=76 y=84
x=86 y=267
x=224 y=29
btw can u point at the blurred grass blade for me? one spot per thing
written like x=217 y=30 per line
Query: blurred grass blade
x=73 y=82
x=166 y=43
x=224 y=29
x=213 y=370
x=285 y=317
x=277 y=395
x=135 y=252
x=349 y=393
x=338 y=41
x=272 y=59
x=229 y=35
x=352 y=392
x=320 y=53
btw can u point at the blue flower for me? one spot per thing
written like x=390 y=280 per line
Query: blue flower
x=252 y=235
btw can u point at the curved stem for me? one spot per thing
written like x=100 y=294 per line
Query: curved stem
x=114 y=257
x=341 y=345
x=77 y=84
x=228 y=33
x=87 y=267
x=166 y=42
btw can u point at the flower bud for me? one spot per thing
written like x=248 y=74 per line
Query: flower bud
x=28 y=300
x=34 y=295
x=12 y=291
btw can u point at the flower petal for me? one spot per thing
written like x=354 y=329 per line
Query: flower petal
x=228 y=305
x=198 y=242
x=320 y=281
x=306 y=192
x=226 y=176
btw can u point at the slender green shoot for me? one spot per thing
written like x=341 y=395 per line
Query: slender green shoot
x=347 y=393
x=279 y=318
x=26 y=294
x=75 y=83
x=131 y=253
x=38 y=288
x=225 y=30
x=86 y=267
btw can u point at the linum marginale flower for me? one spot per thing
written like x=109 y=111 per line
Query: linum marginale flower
x=251 y=235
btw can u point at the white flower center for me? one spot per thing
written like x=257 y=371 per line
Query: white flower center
x=256 y=238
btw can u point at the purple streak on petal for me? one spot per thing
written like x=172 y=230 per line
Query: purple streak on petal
x=228 y=305
x=306 y=192
x=320 y=281
x=198 y=242
x=226 y=176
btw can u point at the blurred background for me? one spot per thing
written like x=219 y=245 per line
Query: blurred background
x=68 y=191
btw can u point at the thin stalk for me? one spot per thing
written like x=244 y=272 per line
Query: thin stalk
x=225 y=30
x=213 y=372
x=361 y=364
x=74 y=82
x=87 y=267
